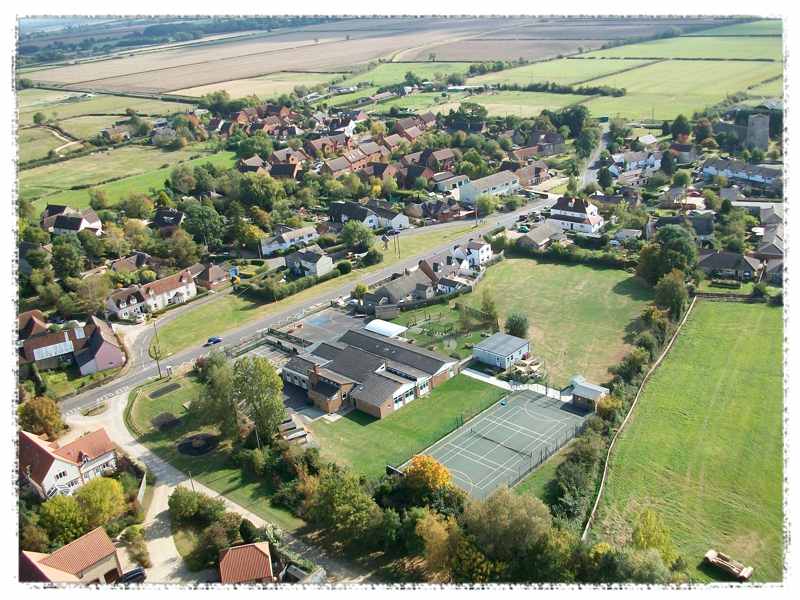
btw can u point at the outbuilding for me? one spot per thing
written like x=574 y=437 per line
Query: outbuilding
x=501 y=350
x=586 y=395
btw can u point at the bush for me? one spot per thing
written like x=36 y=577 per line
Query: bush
x=760 y=290
x=183 y=505
x=250 y=533
x=373 y=257
x=344 y=267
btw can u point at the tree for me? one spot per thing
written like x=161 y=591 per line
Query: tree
x=39 y=118
x=101 y=500
x=98 y=199
x=357 y=236
x=439 y=536
x=425 y=475
x=650 y=532
x=116 y=243
x=359 y=292
x=40 y=415
x=680 y=127
x=67 y=255
x=517 y=324
x=256 y=390
x=489 y=307
x=92 y=292
x=486 y=204
x=33 y=538
x=702 y=130
x=205 y=224
x=682 y=178
x=604 y=178
x=183 y=505
x=61 y=517
x=671 y=293
x=181 y=248
x=667 y=164
x=673 y=248
x=136 y=206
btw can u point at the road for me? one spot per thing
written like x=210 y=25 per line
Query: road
x=590 y=172
x=142 y=367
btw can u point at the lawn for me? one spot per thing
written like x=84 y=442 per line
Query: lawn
x=35 y=143
x=762 y=27
x=433 y=101
x=541 y=483
x=367 y=444
x=230 y=311
x=563 y=71
x=61 y=382
x=666 y=89
x=86 y=127
x=745 y=290
x=266 y=86
x=581 y=318
x=342 y=99
x=214 y=469
x=705 y=448
x=524 y=104
x=395 y=72
x=747 y=48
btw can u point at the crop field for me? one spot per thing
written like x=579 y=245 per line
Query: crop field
x=762 y=27
x=605 y=28
x=770 y=89
x=116 y=190
x=60 y=105
x=668 y=88
x=580 y=317
x=397 y=437
x=563 y=71
x=395 y=72
x=704 y=448
x=36 y=142
x=479 y=49
x=98 y=167
x=524 y=104
x=722 y=47
x=267 y=86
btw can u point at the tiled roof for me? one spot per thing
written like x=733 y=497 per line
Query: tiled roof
x=89 y=446
x=250 y=562
x=82 y=553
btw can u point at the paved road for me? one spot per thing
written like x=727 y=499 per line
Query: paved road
x=590 y=173
x=142 y=367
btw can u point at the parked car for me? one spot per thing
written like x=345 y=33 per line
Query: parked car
x=137 y=575
x=213 y=340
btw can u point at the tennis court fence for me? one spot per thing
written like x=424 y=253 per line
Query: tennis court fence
x=540 y=455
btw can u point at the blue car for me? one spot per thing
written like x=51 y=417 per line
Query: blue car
x=213 y=340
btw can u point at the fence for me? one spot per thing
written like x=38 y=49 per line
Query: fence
x=545 y=453
x=142 y=489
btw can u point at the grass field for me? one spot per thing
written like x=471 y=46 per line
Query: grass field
x=213 y=469
x=747 y=48
x=266 y=86
x=35 y=143
x=541 y=482
x=87 y=126
x=524 y=104
x=116 y=190
x=770 y=89
x=63 y=105
x=433 y=101
x=579 y=316
x=395 y=72
x=342 y=99
x=666 y=89
x=704 y=448
x=230 y=311
x=762 y=27
x=562 y=71
x=367 y=444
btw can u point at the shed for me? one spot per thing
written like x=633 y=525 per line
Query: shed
x=501 y=350
x=586 y=395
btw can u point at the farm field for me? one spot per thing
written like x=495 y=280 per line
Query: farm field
x=120 y=188
x=667 y=89
x=367 y=444
x=580 y=317
x=704 y=448
x=230 y=311
x=479 y=49
x=214 y=469
x=87 y=127
x=524 y=104
x=64 y=105
x=395 y=72
x=771 y=89
x=36 y=142
x=762 y=27
x=564 y=71
x=746 y=48
x=266 y=86
x=98 y=168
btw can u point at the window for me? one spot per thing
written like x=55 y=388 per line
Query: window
x=60 y=475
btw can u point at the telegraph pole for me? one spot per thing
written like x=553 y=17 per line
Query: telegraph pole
x=157 y=350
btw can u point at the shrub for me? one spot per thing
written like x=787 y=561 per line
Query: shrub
x=249 y=532
x=760 y=290
x=373 y=257
x=183 y=505
x=344 y=267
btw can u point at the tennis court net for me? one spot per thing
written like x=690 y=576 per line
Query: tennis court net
x=503 y=444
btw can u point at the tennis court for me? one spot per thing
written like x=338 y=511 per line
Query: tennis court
x=507 y=441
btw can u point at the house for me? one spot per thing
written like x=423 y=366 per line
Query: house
x=541 y=236
x=393 y=142
x=369 y=371
x=373 y=152
x=248 y=563
x=288 y=155
x=648 y=140
x=411 y=134
x=30 y=323
x=59 y=220
x=129 y=264
x=212 y=277
x=381 y=171
x=629 y=161
x=52 y=470
x=739 y=171
x=525 y=154
x=501 y=350
x=387 y=216
x=445 y=181
x=702 y=225
x=320 y=146
x=532 y=174
x=126 y=303
x=92 y=347
x=683 y=153
x=410 y=286
x=310 y=261
x=251 y=165
x=336 y=167
x=771 y=245
x=501 y=183
x=90 y=559
x=417 y=172
x=623 y=235
x=586 y=395
x=438 y=160
x=342 y=211
x=285 y=171
x=446 y=265
x=576 y=214
x=674 y=197
x=729 y=265
x=773 y=271
x=476 y=252
x=167 y=220
x=287 y=238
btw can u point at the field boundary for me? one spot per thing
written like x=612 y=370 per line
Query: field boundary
x=604 y=478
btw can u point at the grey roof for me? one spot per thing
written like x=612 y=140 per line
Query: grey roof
x=501 y=344
x=354 y=363
x=499 y=178
x=585 y=389
x=425 y=360
x=376 y=389
x=402 y=287
x=727 y=260
x=544 y=232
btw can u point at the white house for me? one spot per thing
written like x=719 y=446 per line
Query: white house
x=311 y=261
x=501 y=350
x=476 y=252
x=502 y=183
x=388 y=217
x=128 y=302
x=72 y=221
x=576 y=214
x=51 y=469
x=287 y=238
x=344 y=211
x=738 y=170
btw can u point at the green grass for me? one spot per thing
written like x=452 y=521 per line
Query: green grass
x=563 y=71
x=762 y=27
x=35 y=143
x=230 y=311
x=746 y=288
x=433 y=101
x=541 y=483
x=666 y=89
x=747 y=48
x=770 y=89
x=524 y=104
x=87 y=126
x=704 y=448
x=581 y=318
x=342 y=99
x=394 y=73
x=368 y=445
x=116 y=190
x=214 y=469
x=62 y=382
